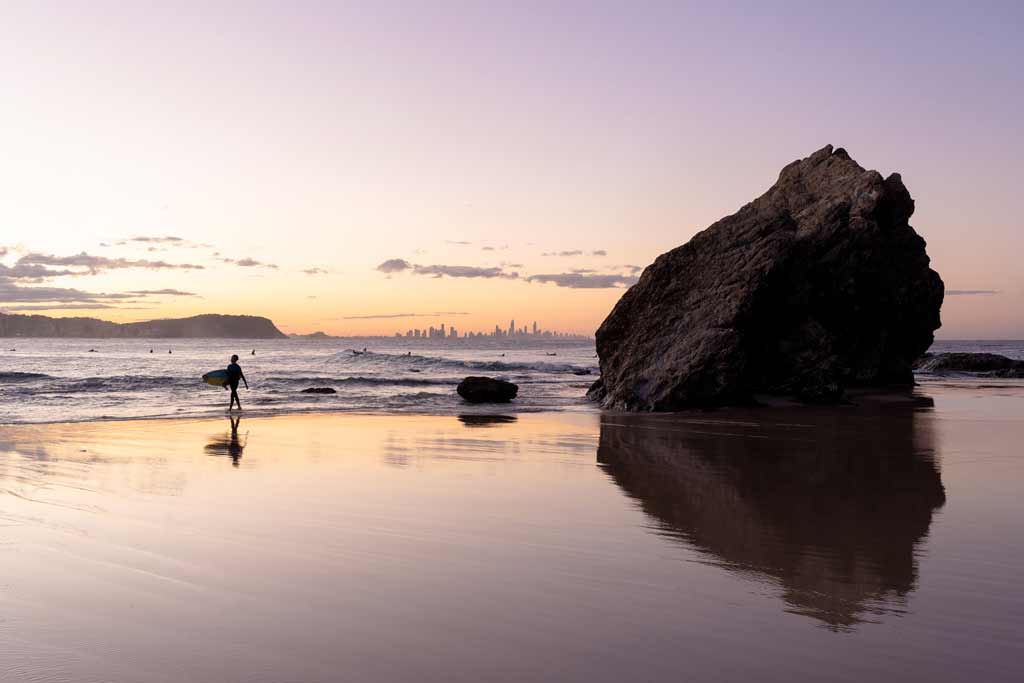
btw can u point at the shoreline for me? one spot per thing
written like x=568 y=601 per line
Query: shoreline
x=920 y=396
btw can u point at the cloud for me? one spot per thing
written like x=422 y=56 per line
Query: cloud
x=161 y=292
x=570 y=252
x=13 y=293
x=599 y=252
x=971 y=292
x=315 y=271
x=633 y=269
x=487 y=248
x=31 y=273
x=397 y=265
x=167 y=239
x=378 y=316
x=26 y=308
x=95 y=264
x=585 y=280
x=464 y=271
x=394 y=265
x=249 y=263
x=458 y=242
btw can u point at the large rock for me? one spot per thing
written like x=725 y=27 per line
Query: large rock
x=487 y=390
x=817 y=285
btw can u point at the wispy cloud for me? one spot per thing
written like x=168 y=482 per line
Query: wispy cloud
x=568 y=252
x=161 y=292
x=378 y=316
x=459 y=242
x=464 y=271
x=91 y=264
x=315 y=271
x=14 y=293
x=397 y=265
x=166 y=239
x=599 y=252
x=971 y=292
x=585 y=280
x=249 y=263
x=28 y=308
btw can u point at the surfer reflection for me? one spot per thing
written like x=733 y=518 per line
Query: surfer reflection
x=231 y=445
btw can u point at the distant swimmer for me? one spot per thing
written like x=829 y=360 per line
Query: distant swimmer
x=168 y=350
x=550 y=354
x=254 y=352
x=234 y=375
x=92 y=350
x=151 y=350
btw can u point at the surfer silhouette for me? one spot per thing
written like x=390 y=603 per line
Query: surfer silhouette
x=234 y=375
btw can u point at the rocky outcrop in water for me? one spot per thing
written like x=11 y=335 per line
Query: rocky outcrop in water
x=319 y=390
x=199 y=326
x=987 y=364
x=817 y=285
x=487 y=390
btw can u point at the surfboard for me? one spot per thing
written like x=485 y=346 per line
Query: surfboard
x=217 y=378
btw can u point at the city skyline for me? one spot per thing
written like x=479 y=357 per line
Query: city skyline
x=533 y=331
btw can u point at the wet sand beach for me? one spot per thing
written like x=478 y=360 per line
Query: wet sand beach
x=880 y=542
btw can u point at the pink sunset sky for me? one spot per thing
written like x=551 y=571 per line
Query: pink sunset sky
x=513 y=160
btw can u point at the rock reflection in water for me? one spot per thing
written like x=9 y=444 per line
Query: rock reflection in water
x=230 y=444
x=828 y=505
x=486 y=420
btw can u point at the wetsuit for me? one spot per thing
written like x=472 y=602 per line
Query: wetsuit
x=234 y=377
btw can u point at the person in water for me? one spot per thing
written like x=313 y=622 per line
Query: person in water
x=234 y=375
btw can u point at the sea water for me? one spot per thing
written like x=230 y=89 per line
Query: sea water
x=71 y=380
x=74 y=380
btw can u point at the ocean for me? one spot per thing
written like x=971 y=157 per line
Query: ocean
x=75 y=380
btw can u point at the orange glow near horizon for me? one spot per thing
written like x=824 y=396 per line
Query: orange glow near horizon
x=292 y=151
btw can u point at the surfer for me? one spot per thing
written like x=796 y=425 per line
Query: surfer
x=235 y=374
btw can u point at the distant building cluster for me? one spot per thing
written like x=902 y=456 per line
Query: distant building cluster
x=512 y=331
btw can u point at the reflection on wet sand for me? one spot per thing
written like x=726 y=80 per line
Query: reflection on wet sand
x=229 y=444
x=829 y=506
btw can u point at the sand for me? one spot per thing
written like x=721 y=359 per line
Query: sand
x=773 y=544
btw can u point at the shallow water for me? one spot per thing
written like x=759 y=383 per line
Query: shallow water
x=73 y=380
x=80 y=380
x=875 y=543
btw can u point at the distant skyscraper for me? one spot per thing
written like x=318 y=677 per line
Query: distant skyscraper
x=535 y=327
x=512 y=327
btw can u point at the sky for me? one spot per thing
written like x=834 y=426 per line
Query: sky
x=364 y=168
